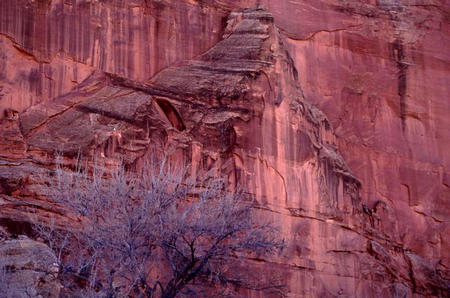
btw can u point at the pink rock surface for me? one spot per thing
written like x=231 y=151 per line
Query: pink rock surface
x=334 y=114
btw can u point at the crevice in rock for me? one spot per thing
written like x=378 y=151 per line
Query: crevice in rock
x=16 y=228
x=411 y=273
x=171 y=114
x=313 y=34
x=21 y=50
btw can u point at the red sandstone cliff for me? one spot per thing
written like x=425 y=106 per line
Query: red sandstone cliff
x=333 y=113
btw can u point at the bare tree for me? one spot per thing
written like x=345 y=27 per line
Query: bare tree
x=154 y=233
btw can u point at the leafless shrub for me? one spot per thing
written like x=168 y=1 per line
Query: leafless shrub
x=155 y=233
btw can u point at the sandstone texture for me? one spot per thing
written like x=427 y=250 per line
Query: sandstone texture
x=28 y=269
x=332 y=113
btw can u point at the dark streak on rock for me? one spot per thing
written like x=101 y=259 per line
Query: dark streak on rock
x=399 y=56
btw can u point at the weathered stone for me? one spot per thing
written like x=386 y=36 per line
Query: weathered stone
x=360 y=187
x=28 y=269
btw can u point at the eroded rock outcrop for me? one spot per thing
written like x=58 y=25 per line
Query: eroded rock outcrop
x=28 y=269
x=232 y=91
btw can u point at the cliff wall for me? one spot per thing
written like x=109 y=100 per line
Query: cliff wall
x=332 y=113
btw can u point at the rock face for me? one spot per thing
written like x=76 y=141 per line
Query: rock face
x=332 y=113
x=29 y=269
